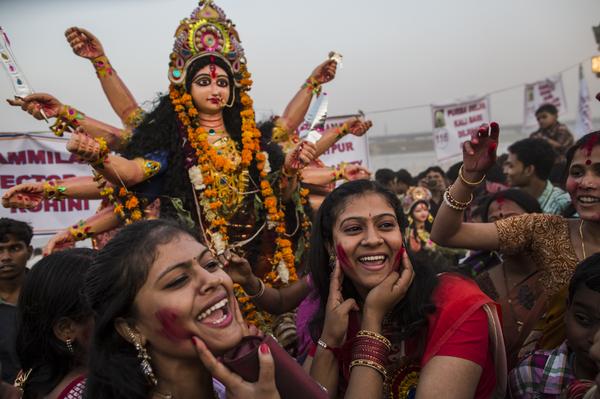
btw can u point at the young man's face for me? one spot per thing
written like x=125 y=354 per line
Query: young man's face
x=582 y=321
x=13 y=258
x=546 y=119
x=517 y=175
x=435 y=182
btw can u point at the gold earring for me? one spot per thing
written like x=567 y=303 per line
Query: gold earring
x=144 y=359
x=231 y=100
x=69 y=344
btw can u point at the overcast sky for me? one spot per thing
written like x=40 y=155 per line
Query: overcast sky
x=396 y=53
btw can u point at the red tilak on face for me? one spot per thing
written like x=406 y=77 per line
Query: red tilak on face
x=589 y=145
x=170 y=326
x=341 y=254
x=213 y=71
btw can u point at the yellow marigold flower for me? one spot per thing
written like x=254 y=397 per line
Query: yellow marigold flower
x=122 y=192
x=136 y=215
x=132 y=202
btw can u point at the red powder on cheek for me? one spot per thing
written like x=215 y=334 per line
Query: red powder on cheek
x=572 y=186
x=341 y=254
x=398 y=259
x=170 y=325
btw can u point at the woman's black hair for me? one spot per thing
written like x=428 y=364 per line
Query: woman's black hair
x=591 y=139
x=161 y=131
x=111 y=285
x=587 y=273
x=412 y=311
x=51 y=292
x=519 y=197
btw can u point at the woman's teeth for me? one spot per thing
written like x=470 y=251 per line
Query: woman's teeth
x=372 y=259
x=219 y=306
x=588 y=200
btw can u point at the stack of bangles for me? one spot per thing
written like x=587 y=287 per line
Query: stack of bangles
x=312 y=85
x=469 y=183
x=454 y=203
x=370 y=350
x=53 y=191
x=67 y=118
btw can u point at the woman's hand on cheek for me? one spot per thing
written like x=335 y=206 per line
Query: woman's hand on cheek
x=387 y=294
x=337 y=310
x=235 y=385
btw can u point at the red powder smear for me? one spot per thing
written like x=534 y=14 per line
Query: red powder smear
x=572 y=186
x=590 y=143
x=171 y=328
x=398 y=259
x=500 y=200
x=341 y=254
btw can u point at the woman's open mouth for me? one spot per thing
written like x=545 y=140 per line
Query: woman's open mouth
x=373 y=262
x=217 y=315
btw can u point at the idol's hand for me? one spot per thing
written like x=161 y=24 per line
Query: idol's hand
x=24 y=196
x=357 y=126
x=325 y=72
x=387 y=294
x=84 y=146
x=355 y=172
x=303 y=154
x=236 y=387
x=58 y=242
x=479 y=153
x=337 y=310
x=83 y=43
x=34 y=103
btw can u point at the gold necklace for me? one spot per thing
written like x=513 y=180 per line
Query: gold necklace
x=581 y=238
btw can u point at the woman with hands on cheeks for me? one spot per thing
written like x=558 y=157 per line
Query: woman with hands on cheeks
x=165 y=310
x=384 y=328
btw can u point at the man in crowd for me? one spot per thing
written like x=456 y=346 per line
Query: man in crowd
x=434 y=179
x=528 y=167
x=403 y=182
x=387 y=178
x=551 y=130
x=15 y=250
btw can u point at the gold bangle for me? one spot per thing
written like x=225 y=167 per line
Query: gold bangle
x=469 y=183
x=454 y=203
x=260 y=292
x=374 y=335
x=369 y=363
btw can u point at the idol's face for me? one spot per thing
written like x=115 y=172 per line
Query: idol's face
x=210 y=89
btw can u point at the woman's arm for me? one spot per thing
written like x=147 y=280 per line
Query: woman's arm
x=448 y=228
x=86 y=45
x=449 y=378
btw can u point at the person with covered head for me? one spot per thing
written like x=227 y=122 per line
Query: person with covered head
x=556 y=244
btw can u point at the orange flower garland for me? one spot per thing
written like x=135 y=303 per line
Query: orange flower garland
x=209 y=159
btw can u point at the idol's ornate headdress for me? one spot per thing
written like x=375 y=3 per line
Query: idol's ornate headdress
x=414 y=195
x=207 y=32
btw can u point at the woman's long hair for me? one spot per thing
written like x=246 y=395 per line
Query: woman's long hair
x=161 y=131
x=111 y=285
x=412 y=311
x=51 y=292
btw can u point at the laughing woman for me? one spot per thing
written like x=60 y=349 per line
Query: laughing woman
x=163 y=306
x=384 y=329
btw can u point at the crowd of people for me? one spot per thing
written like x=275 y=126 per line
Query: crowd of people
x=216 y=233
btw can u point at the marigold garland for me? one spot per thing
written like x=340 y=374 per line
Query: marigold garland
x=126 y=204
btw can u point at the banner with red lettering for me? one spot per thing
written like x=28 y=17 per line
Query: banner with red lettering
x=350 y=149
x=454 y=123
x=548 y=91
x=36 y=157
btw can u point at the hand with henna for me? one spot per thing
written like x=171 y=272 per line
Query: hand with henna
x=34 y=103
x=355 y=172
x=58 y=242
x=303 y=154
x=84 y=146
x=358 y=127
x=325 y=72
x=83 y=43
x=479 y=153
x=24 y=196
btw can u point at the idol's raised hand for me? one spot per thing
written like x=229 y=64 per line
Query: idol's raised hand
x=325 y=72
x=34 y=103
x=61 y=240
x=84 y=146
x=24 y=196
x=83 y=43
x=303 y=154
x=355 y=172
x=479 y=153
x=357 y=126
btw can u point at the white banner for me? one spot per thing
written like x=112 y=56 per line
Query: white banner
x=454 y=123
x=350 y=149
x=583 y=123
x=37 y=157
x=548 y=91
